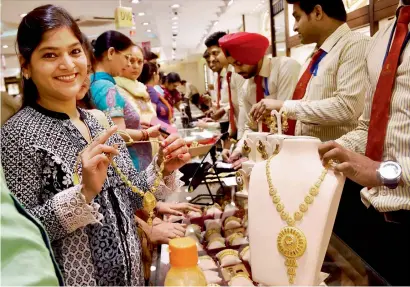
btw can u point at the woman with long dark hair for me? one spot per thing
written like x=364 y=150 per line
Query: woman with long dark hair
x=89 y=212
x=150 y=77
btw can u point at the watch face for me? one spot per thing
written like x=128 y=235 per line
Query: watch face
x=390 y=170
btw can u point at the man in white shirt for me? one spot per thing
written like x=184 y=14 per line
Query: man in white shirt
x=329 y=97
x=228 y=85
x=265 y=77
x=375 y=220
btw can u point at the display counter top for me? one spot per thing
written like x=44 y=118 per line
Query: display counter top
x=342 y=266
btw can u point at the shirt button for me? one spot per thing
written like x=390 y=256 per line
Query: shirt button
x=384 y=193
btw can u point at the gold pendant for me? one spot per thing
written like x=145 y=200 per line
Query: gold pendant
x=149 y=202
x=76 y=179
x=292 y=245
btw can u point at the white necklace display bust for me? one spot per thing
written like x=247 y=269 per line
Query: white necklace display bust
x=294 y=170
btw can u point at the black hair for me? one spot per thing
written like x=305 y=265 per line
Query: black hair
x=183 y=82
x=30 y=33
x=173 y=78
x=206 y=55
x=213 y=40
x=88 y=50
x=333 y=8
x=109 y=39
x=162 y=78
x=86 y=102
x=148 y=55
x=148 y=71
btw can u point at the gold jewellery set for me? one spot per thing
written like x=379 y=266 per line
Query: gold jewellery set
x=271 y=121
x=148 y=199
x=291 y=241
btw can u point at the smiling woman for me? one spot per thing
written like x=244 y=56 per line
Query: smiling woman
x=89 y=218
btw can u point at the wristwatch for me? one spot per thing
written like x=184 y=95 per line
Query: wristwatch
x=389 y=174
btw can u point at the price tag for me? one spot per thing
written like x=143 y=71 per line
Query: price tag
x=123 y=17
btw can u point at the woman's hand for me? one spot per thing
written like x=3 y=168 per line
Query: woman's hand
x=95 y=160
x=153 y=132
x=175 y=153
x=177 y=209
x=163 y=232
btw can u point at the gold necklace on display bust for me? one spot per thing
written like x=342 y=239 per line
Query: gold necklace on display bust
x=291 y=241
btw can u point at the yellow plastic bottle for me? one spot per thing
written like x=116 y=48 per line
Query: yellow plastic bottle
x=184 y=259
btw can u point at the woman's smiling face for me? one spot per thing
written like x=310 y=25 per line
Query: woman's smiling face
x=58 y=66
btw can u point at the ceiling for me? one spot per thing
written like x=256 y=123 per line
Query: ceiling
x=196 y=19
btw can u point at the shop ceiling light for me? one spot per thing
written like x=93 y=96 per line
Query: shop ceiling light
x=174 y=18
x=5 y=46
x=149 y=31
x=141 y=14
x=175 y=6
x=135 y=1
x=23 y=15
x=230 y=2
x=145 y=23
x=216 y=23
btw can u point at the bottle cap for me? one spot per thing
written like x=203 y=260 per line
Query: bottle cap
x=183 y=252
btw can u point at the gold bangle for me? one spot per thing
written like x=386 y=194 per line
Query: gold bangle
x=233 y=237
x=242 y=254
x=227 y=252
x=219 y=239
x=211 y=232
x=232 y=218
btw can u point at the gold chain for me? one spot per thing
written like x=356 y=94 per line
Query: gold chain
x=291 y=241
x=148 y=199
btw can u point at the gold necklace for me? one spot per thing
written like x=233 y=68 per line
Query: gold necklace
x=291 y=241
x=149 y=201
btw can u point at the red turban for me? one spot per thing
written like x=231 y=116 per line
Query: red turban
x=247 y=48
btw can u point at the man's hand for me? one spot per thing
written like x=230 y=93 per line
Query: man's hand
x=218 y=114
x=234 y=156
x=177 y=209
x=265 y=107
x=226 y=153
x=163 y=232
x=357 y=167
x=238 y=164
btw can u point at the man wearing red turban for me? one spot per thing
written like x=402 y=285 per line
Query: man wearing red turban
x=271 y=78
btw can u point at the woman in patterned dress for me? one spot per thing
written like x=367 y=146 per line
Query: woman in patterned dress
x=91 y=225
x=113 y=53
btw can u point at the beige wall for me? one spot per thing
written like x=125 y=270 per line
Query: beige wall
x=192 y=72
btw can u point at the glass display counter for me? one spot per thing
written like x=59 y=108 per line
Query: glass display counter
x=343 y=266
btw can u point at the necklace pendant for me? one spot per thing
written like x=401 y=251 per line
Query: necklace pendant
x=149 y=202
x=76 y=179
x=291 y=243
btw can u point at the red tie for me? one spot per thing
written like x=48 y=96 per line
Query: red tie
x=384 y=90
x=218 y=100
x=231 y=107
x=260 y=96
x=301 y=87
